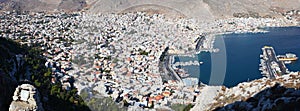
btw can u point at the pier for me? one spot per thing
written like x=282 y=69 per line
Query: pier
x=271 y=66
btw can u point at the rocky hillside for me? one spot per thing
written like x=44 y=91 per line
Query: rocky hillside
x=276 y=98
x=42 y=5
x=201 y=9
x=9 y=67
x=7 y=89
x=22 y=64
x=262 y=94
x=26 y=98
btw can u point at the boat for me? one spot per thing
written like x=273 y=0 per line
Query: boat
x=281 y=56
x=183 y=74
x=287 y=57
x=287 y=62
x=261 y=56
x=290 y=55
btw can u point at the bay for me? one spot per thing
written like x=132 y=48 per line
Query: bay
x=238 y=58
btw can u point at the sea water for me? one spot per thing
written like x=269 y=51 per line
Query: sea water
x=239 y=56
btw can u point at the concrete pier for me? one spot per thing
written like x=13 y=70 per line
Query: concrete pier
x=270 y=66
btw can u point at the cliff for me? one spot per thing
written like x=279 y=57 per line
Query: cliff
x=20 y=64
x=261 y=94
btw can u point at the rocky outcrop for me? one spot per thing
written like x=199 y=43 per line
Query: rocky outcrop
x=26 y=98
x=276 y=98
x=260 y=94
x=7 y=89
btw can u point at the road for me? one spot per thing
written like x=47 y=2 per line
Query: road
x=168 y=67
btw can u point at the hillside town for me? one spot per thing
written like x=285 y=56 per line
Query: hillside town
x=118 y=55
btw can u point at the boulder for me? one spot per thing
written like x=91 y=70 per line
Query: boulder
x=26 y=98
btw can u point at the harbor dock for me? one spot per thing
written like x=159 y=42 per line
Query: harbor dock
x=271 y=66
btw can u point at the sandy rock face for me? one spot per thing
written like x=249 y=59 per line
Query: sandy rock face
x=200 y=9
x=51 y=1
x=42 y=5
x=26 y=98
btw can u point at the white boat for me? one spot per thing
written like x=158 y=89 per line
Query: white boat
x=290 y=55
x=261 y=56
x=287 y=62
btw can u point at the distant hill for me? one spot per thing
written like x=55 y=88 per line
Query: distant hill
x=42 y=5
x=201 y=9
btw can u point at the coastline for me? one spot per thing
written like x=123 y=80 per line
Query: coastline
x=212 y=89
x=199 y=47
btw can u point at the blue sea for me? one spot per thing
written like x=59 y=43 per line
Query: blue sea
x=238 y=58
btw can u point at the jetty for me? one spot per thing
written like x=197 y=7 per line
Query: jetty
x=270 y=65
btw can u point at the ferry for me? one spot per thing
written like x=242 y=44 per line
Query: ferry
x=287 y=58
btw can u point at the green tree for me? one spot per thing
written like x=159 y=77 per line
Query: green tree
x=37 y=83
x=48 y=73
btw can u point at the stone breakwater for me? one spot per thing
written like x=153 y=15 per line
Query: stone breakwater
x=117 y=55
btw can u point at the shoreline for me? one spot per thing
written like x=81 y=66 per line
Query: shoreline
x=213 y=35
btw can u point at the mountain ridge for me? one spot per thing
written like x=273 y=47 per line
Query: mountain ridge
x=200 y=9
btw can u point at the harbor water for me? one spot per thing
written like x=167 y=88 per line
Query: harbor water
x=238 y=58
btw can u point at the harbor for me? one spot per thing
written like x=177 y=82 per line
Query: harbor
x=243 y=56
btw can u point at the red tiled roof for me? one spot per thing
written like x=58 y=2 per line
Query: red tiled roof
x=159 y=97
x=166 y=93
x=97 y=72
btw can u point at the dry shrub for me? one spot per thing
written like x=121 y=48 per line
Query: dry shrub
x=268 y=82
x=223 y=88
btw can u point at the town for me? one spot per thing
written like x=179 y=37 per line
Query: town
x=119 y=55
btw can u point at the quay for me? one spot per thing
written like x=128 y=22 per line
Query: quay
x=166 y=69
x=271 y=66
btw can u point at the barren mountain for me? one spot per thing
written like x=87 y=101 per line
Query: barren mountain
x=42 y=5
x=202 y=9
